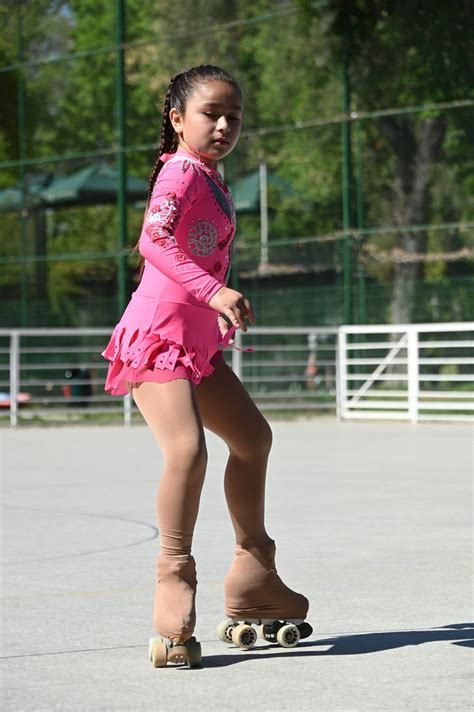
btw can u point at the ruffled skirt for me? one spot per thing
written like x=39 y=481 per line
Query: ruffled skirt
x=161 y=341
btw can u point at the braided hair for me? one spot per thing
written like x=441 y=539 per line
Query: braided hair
x=181 y=87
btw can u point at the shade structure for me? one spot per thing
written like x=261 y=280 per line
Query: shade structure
x=10 y=198
x=95 y=184
x=246 y=190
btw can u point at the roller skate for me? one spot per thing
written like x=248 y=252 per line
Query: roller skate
x=256 y=596
x=175 y=613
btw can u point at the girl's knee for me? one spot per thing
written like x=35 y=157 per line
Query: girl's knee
x=256 y=442
x=266 y=436
x=188 y=454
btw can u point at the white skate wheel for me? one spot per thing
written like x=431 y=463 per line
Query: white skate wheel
x=288 y=636
x=158 y=652
x=244 y=636
x=224 y=631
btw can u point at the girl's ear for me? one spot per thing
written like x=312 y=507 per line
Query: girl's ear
x=176 y=120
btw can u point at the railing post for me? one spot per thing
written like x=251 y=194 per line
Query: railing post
x=237 y=355
x=127 y=409
x=341 y=374
x=14 y=376
x=413 y=374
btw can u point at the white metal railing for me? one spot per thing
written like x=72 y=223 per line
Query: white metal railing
x=410 y=372
x=58 y=374
x=291 y=367
x=54 y=373
x=406 y=371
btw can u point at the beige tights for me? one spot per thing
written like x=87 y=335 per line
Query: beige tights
x=253 y=588
x=175 y=413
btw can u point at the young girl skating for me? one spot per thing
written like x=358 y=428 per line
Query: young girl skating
x=167 y=351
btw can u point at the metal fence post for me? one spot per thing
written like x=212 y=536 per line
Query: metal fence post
x=341 y=373
x=127 y=409
x=237 y=355
x=413 y=374
x=14 y=376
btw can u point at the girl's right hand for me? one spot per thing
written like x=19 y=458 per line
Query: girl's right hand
x=234 y=306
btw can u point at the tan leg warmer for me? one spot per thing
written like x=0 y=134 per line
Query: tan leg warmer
x=174 y=610
x=254 y=590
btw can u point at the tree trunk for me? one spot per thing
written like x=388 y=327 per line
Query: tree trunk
x=416 y=150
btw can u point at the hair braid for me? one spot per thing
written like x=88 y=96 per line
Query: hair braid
x=168 y=137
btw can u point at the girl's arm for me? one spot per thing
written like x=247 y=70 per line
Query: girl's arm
x=174 y=192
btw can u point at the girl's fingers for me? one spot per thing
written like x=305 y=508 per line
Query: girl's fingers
x=232 y=317
x=237 y=318
x=250 y=313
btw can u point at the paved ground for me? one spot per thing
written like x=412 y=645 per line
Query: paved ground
x=372 y=521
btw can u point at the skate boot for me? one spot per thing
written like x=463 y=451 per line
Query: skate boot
x=256 y=595
x=174 y=613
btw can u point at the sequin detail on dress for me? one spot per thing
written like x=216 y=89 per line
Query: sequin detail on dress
x=202 y=238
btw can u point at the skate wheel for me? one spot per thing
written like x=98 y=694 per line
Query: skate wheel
x=224 y=631
x=244 y=636
x=288 y=636
x=158 y=652
x=194 y=653
x=305 y=630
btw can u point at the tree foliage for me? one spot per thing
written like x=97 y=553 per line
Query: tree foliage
x=287 y=56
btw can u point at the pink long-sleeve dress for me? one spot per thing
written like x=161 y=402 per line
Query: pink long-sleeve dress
x=168 y=330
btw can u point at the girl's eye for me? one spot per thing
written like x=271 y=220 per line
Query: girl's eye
x=216 y=117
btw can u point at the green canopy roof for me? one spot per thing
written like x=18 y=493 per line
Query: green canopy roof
x=10 y=198
x=97 y=184
x=246 y=191
x=93 y=185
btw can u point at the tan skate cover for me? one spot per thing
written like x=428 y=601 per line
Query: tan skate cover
x=253 y=588
x=174 y=611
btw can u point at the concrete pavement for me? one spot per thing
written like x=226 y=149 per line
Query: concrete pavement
x=372 y=523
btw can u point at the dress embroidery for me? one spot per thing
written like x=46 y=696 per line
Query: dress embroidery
x=189 y=164
x=161 y=220
x=202 y=238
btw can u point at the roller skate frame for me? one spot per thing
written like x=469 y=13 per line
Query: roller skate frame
x=286 y=633
x=163 y=651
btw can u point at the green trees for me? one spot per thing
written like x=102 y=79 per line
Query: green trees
x=410 y=54
x=287 y=57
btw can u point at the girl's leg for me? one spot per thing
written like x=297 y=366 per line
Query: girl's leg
x=252 y=585
x=228 y=410
x=171 y=412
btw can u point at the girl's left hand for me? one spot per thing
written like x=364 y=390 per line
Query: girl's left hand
x=224 y=327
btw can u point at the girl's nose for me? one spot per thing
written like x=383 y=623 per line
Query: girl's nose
x=222 y=123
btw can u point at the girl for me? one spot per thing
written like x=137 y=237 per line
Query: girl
x=167 y=351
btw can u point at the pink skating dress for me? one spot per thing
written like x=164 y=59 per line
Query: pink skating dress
x=168 y=330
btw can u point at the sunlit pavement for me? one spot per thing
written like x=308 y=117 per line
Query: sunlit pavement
x=372 y=522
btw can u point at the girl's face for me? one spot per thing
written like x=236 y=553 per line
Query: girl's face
x=212 y=120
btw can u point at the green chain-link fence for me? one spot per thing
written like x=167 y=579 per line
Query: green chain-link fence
x=334 y=242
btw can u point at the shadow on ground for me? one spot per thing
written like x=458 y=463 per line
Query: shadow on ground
x=461 y=634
